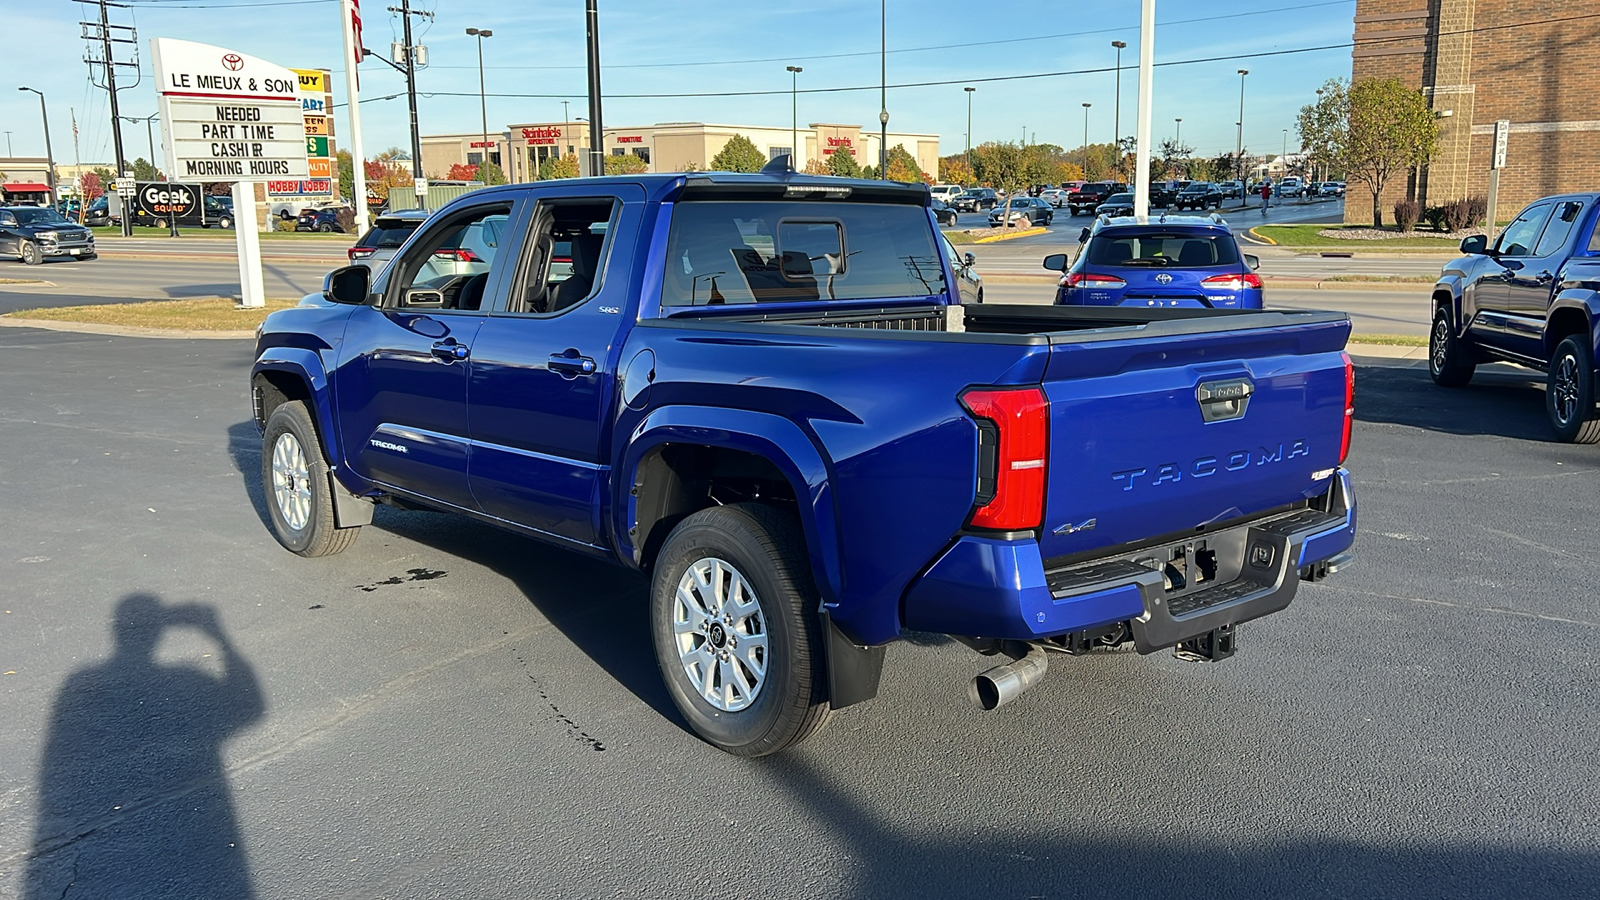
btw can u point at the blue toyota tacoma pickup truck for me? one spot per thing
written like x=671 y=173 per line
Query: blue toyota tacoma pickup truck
x=1532 y=297
x=763 y=391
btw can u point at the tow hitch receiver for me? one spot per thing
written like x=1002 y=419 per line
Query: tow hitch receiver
x=1209 y=647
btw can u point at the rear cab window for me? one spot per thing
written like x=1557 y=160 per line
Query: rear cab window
x=734 y=252
x=1163 y=249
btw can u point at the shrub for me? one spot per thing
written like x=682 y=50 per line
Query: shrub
x=1406 y=213
x=1477 y=210
x=1434 y=216
x=346 y=217
x=1457 y=215
x=283 y=225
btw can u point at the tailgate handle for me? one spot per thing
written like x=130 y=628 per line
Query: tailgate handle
x=1225 y=399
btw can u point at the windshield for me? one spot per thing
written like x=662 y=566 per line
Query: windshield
x=1161 y=250
x=28 y=215
x=1120 y=198
x=762 y=251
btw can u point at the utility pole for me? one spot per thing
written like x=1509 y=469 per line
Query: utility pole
x=597 y=133
x=883 y=92
x=1086 y=140
x=483 y=98
x=101 y=32
x=1116 y=113
x=410 y=53
x=794 y=116
x=1238 y=153
x=969 y=91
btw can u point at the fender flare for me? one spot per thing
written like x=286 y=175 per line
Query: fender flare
x=774 y=438
x=1583 y=300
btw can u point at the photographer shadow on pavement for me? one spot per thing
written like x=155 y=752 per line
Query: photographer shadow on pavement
x=133 y=799
x=1502 y=401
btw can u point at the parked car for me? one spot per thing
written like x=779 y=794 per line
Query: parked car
x=1179 y=262
x=1332 y=189
x=324 y=219
x=1117 y=205
x=1530 y=297
x=946 y=192
x=35 y=233
x=1162 y=193
x=1053 y=196
x=806 y=445
x=1036 y=211
x=1231 y=190
x=976 y=200
x=1290 y=186
x=468 y=255
x=98 y=213
x=1086 y=198
x=964 y=267
x=1198 y=195
x=943 y=212
x=388 y=233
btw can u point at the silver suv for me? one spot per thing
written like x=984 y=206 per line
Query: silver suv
x=470 y=251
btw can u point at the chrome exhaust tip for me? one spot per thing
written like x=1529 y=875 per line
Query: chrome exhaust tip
x=1002 y=684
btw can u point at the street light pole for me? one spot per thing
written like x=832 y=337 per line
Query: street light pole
x=1177 y=140
x=1086 y=141
x=49 y=155
x=883 y=91
x=483 y=98
x=1116 y=114
x=1238 y=156
x=969 y=91
x=794 y=116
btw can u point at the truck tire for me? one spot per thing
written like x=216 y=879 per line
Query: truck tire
x=31 y=255
x=1449 y=363
x=1569 y=392
x=294 y=477
x=224 y=223
x=734 y=617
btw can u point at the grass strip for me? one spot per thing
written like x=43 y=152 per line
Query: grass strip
x=960 y=237
x=1389 y=340
x=1383 y=279
x=205 y=314
x=1306 y=237
x=21 y=281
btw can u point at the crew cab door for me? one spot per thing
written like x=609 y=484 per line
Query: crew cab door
x=8 y=234
x=1531 y=287
x=1494 y=323
x=543 y=364
x=401 y=387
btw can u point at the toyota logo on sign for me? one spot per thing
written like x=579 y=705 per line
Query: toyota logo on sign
x=233 y=62
x=1163 y=278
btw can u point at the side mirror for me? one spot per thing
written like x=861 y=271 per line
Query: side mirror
x=348 y=285
x=1056 y=262
x=1083 y=235
x=1477 y=244
x=1253 y=261
x=969 y=260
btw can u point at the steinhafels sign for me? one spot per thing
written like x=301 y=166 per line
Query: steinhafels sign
x=226 y=116
x=543 y=135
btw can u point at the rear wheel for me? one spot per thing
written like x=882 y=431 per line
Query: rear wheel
x=734 y=617
x=1449 y=363
x=161 y=223
x=1569 y=392
x=294 y=476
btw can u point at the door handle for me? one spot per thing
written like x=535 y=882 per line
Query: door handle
x=450 y=350
x=571 y=365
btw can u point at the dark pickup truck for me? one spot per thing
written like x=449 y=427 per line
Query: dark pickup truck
x=1532 y=297
x=1089 y=197
x=762 y=391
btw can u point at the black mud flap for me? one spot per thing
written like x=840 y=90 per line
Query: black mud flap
x=853 y=670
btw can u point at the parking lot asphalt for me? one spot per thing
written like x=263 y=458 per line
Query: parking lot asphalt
x=445 y=710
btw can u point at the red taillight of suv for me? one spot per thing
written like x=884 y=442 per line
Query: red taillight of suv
x=356 y=253
x=1092 y=280
x=466 y=256
x=1013 y=454
x=1349 y=406
x=1233 y=281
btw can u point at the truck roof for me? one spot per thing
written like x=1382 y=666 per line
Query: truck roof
x=741 y=185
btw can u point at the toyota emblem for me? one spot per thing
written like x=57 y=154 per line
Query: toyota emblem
x=1163 y=278
x=233 y=62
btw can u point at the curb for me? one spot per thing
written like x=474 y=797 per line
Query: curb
x=1261 y=238
x=1026 y=232
x=1399 y=287
x=124 y=330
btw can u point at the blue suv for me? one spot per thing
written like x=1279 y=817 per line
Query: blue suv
x=1170 y=261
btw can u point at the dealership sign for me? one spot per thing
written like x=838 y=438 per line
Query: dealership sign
x=226 y=116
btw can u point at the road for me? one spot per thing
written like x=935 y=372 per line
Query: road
x=445 y=710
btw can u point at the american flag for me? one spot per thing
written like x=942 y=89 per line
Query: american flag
x=355 y=28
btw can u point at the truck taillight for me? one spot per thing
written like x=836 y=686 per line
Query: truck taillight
x=1013 y=454
x=466 y=256
x=1349 y=406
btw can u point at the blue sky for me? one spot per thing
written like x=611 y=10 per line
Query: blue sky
x=669 y=47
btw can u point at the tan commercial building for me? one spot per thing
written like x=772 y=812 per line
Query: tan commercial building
x=664 y=147
x=1481 y=61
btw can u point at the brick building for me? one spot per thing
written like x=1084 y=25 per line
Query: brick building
x=1480 y=61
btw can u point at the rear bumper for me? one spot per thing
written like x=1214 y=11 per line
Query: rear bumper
x=993 y=588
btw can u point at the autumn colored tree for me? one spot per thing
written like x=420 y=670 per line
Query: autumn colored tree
x=739 y=154
x=559 y=167
x=902 y=165
x=92 y=189
x=627 y=164
x=954 y=170
x=816 y=166
x=462 y=172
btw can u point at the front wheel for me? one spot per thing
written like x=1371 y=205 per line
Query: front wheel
x=224 y=222
x=1569 y=392
x=31 y=254
x=734 y=617
x=1449 y=363
x=161 y=223
x=294 y=476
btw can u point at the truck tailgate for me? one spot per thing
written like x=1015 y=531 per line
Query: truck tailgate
x=1161 y=431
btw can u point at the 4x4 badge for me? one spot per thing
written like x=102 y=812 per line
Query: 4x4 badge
x=1070 y=528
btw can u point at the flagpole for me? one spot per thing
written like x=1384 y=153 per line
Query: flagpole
x=350 y=12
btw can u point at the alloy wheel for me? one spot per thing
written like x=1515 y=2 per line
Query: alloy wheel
x=291 y=481
x=1566 y=389
x=720 y=633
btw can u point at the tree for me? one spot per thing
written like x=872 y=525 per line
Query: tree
x=145 y=171
x=1324 y=126
x=954 y=170
x=902 y=165
x=92 y=186
x=1391 y=131
x=999 y=164
x=1173 y=159
x=347 y=174
x=817 y=166
x=559 y=167
x=739 y=154
x=843 y=163
x=491 y=173
x=384 y=174
x=462 y=172
x=627 y=164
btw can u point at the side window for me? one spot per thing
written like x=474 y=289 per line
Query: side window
x=568 y=244
x=1519 y=237
x=1594 y=238
x=1555 y=234
x=448 y=267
